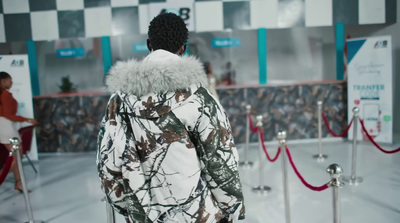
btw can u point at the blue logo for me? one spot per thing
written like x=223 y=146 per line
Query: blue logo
x=1 y=58
x=225 y=42
x=70 y=52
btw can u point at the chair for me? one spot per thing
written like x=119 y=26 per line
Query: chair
x=26 y=134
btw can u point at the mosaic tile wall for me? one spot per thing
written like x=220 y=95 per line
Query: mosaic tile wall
x=290 y=108
x=73 y=122
x=68 y=124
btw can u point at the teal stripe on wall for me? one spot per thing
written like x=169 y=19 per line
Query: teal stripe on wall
x=340 y=41
x=33 y=67
x=262 y=55
x=106 y=50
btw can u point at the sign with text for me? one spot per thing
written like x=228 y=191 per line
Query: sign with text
x=17 y=66
x=182 y=8
x=225 y=42
x=70 y=52
x=140 y=47
x=370 y=86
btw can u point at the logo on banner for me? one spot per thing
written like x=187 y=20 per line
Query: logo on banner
x=17 y=63
x=381 y=44
x=1 y=58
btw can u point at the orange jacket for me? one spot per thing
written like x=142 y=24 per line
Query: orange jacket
x=9 y=107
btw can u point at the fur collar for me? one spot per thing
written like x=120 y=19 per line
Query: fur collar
x=161 y=71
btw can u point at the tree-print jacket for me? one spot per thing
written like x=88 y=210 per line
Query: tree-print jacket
x=165 y=147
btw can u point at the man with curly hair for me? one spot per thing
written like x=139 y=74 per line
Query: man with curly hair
x=165 y=149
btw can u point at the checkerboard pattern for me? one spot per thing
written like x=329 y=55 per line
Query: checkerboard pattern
x=22 y=20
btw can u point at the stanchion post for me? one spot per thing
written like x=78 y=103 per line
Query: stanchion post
x=15 y=148
x=353 y=179
x=262 y=189
x=335 y=171
x=320 y=157
x=110 y=213
x=246 y=163
x=282 y=142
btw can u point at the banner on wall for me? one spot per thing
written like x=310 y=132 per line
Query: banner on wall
x=370 y=86
x=182 y=8
x=17 y=66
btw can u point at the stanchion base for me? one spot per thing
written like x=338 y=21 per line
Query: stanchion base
x=35 y=221
x=320 y=158
x=262 y=190
x=246 y=164
x=352 y=181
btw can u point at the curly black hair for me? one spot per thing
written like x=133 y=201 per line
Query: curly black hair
x=167 y=31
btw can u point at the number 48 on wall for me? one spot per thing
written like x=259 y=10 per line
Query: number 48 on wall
x=184 y=13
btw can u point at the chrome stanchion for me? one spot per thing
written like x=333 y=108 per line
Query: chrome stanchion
x=246 y=163
x=282 y=142
x=15 y=148
x=262 y=189
x=353 y=179
x=335 y=171
x=320 y=157
x=110 y=213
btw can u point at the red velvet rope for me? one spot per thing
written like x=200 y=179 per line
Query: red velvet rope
x=252 y=128
x=373 y=142
x=331 y=131
x=265 y=149
x=6 y=169
x=321 y=188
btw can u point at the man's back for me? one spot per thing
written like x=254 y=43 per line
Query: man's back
x=166 y=151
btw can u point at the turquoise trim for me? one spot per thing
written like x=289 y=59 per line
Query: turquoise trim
x=262 y=55
x=340 y=41
x=33 y=67
x=353 y=47
x=106 y=50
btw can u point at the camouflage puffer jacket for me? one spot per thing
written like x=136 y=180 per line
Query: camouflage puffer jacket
x=165 y=147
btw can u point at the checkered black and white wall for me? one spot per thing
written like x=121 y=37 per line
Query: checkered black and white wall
x=54 y=19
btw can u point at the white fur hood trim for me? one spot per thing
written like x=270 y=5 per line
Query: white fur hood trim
x=161 y=71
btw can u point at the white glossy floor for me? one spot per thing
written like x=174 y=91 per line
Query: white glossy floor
x=67 y=188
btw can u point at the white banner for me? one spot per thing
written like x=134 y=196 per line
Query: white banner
x=18 y=67
x=183 y=8
x=370 y=86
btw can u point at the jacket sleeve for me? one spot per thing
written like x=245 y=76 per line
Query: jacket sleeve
x=8 y=111
x=219 y=158
x=111 y=145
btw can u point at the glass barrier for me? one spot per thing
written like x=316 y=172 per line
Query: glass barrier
x=127 y=47
x=70 y=65
x=293 y=55
x=232 y=55
x=301 y=54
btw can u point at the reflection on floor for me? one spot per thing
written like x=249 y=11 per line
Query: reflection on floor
x=67 y=188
